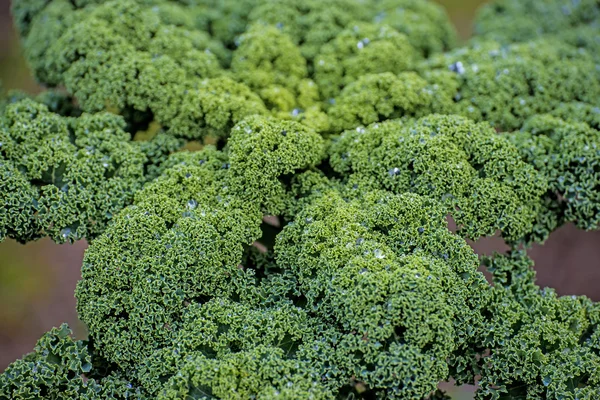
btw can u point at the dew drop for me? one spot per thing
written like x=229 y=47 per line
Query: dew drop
x=394 y=171
x=457 y=67
x=192 y=204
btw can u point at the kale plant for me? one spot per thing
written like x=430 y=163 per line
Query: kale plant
x=265 y=186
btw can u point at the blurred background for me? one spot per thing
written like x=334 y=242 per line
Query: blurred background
x=37 y=280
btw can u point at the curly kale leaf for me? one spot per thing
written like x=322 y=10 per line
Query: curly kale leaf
x=426 y=24
x=476 y=173
x=378 y=97
x=358 y=50
x=56 y=370
x=123 y=55
x=64 y=177
x=392 y=285
x=505 y=85
x=540 y=344
x=510 y=21
x=567 y=153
